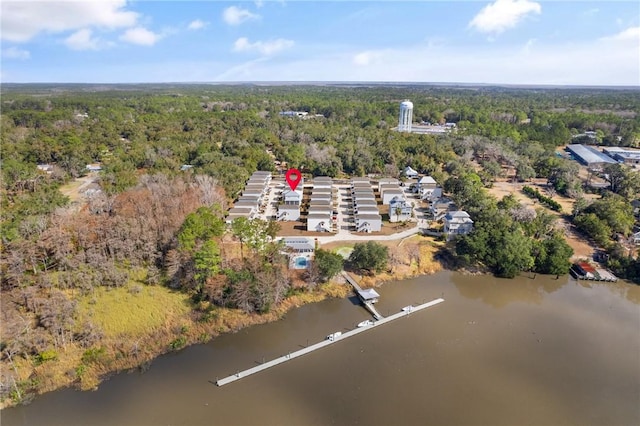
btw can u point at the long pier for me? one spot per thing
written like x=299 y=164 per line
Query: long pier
x=331 y=339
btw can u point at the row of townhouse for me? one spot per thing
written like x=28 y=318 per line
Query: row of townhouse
x=291 y=202
x=320 y=214
x=365 y=208
x=253 y=197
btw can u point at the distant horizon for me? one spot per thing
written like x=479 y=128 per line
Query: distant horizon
x=583 y=43
x=330 y=83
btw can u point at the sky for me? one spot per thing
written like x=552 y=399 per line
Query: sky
x=490 y=42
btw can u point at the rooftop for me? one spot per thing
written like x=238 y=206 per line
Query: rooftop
x=589 y=154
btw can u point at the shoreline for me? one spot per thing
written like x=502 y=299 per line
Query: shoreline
x=189 y=331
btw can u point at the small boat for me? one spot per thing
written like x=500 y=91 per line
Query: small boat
x=407 y=308
x=366 y=323
x=334 y=336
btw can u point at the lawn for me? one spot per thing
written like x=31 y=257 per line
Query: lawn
x=133 y=310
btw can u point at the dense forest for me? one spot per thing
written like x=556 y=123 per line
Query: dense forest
x=152 y=224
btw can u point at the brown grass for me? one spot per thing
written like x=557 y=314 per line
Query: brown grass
x=135 y=336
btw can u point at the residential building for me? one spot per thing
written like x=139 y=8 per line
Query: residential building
x=387 y=181
x=440 y=207
x=236 y=212
x=409 y=172
x=301 y=251
x=400 y=210
x=368 y=222
x=318 y=221
x=457 y=222
x=390 y=194
x=428 y=188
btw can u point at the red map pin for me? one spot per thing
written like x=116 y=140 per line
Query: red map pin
x=293 y=177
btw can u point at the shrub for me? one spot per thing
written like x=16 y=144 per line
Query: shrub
x=534 y=193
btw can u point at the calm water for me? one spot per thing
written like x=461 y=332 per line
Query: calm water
x=514 y=352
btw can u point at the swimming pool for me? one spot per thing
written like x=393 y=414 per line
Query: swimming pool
x=300 y=263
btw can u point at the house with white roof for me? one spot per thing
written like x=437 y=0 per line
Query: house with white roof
x=300 y=250
x=457 y=222
x=319 y=221
x=248 y=212
x=400 y=210
x=368 y=222
x=409 y=172
x=390 y=194
x=365 y=202
x=428 y=188
x=387 y=181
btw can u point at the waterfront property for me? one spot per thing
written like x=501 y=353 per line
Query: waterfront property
x=457 y=222
x=301 y=251
x=586 y=271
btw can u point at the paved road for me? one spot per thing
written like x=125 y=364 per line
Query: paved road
x=343 y=235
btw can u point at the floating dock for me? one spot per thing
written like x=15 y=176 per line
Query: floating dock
x=331 y=339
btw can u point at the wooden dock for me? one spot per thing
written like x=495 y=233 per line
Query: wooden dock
x=358 y=290
x=335 y=337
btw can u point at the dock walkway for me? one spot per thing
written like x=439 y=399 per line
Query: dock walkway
x=358 y=289
x=334 y=338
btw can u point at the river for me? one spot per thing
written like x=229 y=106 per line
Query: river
x=497 y=352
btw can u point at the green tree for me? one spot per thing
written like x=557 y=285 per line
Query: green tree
x=595 y=227
x=553 y=255
x=255 y=233
x=369 y=256
x=199 y=226
x=207 y=261
x=328 y=264
x=623 y=180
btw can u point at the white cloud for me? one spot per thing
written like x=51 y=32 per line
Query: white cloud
x=82 y=40
x=263 y=47
x=259 y=3
x=235 y=16
x=502 y=15
x=591 y=12
x=15 y=53
x=527 y=47
x=367 y=57
x=140 y=36
x=197 y=24
x=630 y=34
x=20 y=21
x=536 y=62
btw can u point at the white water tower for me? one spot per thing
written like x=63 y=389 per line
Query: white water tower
x=406 y=116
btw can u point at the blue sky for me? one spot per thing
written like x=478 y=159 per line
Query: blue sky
x=500 y=41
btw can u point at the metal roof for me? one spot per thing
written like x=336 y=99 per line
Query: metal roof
x=589 y=155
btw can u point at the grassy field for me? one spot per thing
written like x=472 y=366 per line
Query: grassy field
x=134 y=309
